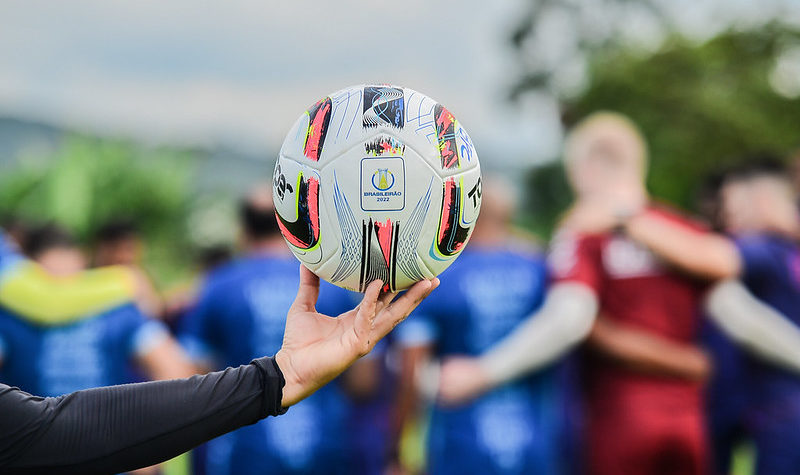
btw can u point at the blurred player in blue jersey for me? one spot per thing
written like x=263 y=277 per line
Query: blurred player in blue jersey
x=72 y=353
x=95 y=350
x=38 y=296
x=759 y=210
x=493 y=286
x=239 y=316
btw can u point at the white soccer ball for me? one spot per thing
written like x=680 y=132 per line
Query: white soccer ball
x=377 y=182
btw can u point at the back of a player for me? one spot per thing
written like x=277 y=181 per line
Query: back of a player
x=515 y=428
x=240 y=316
x=637 y=422
x=94 y=351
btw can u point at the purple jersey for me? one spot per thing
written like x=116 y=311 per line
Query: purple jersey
x=772 y=273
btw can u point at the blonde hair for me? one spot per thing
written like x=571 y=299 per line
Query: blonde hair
x=579 y=133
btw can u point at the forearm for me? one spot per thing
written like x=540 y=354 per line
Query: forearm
x=116 y=429
x=754 y=324
x=407 y=396
x=702 y=254
x=648 y=353
x=563 y=321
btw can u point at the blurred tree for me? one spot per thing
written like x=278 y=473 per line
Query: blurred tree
x=90 y=181
x=700 y=106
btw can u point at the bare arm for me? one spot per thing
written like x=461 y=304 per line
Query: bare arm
x=706 y=255
x=648 y=353
x=110 y=430
x=755 y=325
x=166 y=360
x=562 y=322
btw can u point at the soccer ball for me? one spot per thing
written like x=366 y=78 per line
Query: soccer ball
x=377 y=182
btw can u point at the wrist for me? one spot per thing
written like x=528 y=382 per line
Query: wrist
x=292 y=386
x=628 y=219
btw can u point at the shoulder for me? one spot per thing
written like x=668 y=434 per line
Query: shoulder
x=566 y=244
x=674 y=215
x=227 y=276
x=755 y=248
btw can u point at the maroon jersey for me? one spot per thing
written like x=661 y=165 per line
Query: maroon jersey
x=639 y=291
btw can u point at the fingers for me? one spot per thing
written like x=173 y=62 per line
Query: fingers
x=398 y=310
x=365 y=316
x=307 y=292
x=386 y=298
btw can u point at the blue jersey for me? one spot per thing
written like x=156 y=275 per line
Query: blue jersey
x=240 y=315
x=727 y=404
x=515 y=428
x=91 y=352
x=369 y=420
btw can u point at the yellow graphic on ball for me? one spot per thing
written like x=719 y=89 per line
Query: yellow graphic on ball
x=385 y=179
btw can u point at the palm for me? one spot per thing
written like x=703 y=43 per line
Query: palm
x=316 y=348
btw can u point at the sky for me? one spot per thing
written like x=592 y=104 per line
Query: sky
x=240 y=72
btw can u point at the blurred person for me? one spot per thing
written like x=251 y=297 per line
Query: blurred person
x=634 y=273
x=179 y=299
x=369 y=386
x=40 y=297
x=726 y=402
x=112 y=429
x=494 y=285
x=240 y=315
x=94 y=350
x=759 y=211
x=55 y=250
x=119 y=243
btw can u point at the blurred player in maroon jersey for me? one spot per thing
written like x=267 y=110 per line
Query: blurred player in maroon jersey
x=642 y=268
x=638 y=272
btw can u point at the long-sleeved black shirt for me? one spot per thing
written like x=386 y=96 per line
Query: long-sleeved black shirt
x=120 y=428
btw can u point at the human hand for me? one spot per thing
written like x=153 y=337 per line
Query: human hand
x=317 y=348
x=461 y=379
x=603 y=213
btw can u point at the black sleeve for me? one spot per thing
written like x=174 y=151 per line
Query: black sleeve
x=120 y=428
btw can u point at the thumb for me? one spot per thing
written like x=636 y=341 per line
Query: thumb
x=307 y=292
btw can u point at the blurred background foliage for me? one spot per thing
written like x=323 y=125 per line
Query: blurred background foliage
x=89 y=181
x=701 y=107
x=701 y=102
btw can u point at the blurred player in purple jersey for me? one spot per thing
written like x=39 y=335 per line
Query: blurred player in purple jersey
x=492 y=287
x=759 y=211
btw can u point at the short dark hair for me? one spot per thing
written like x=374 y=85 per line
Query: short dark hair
x=257 y=221
x=115 y=231
x=754 y=165
x=47 y=237
x=212 y=257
